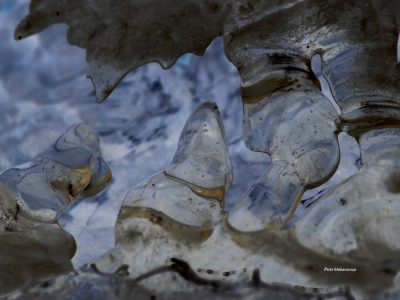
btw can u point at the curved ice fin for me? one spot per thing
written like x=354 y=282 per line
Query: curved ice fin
x=179 y=208
x=202 y=159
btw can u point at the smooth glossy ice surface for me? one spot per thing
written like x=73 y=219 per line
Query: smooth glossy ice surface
x=166 y=218
x=358 y=220
x=202 y=159
x=183 y=204
x=43 y=188
x=298 y=130
x=32 y=198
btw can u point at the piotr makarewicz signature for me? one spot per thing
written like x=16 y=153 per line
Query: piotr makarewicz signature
x=339 y=269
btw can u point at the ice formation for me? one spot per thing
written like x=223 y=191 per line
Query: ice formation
x=178 y=212
x=170 y=221
x=33 y=196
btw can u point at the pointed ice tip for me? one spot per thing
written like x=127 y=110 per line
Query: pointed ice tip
x=100 y=99
x=202 y=158
x=17 y=35
x=19 y=32
x=104 y=78
x=101 y=94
